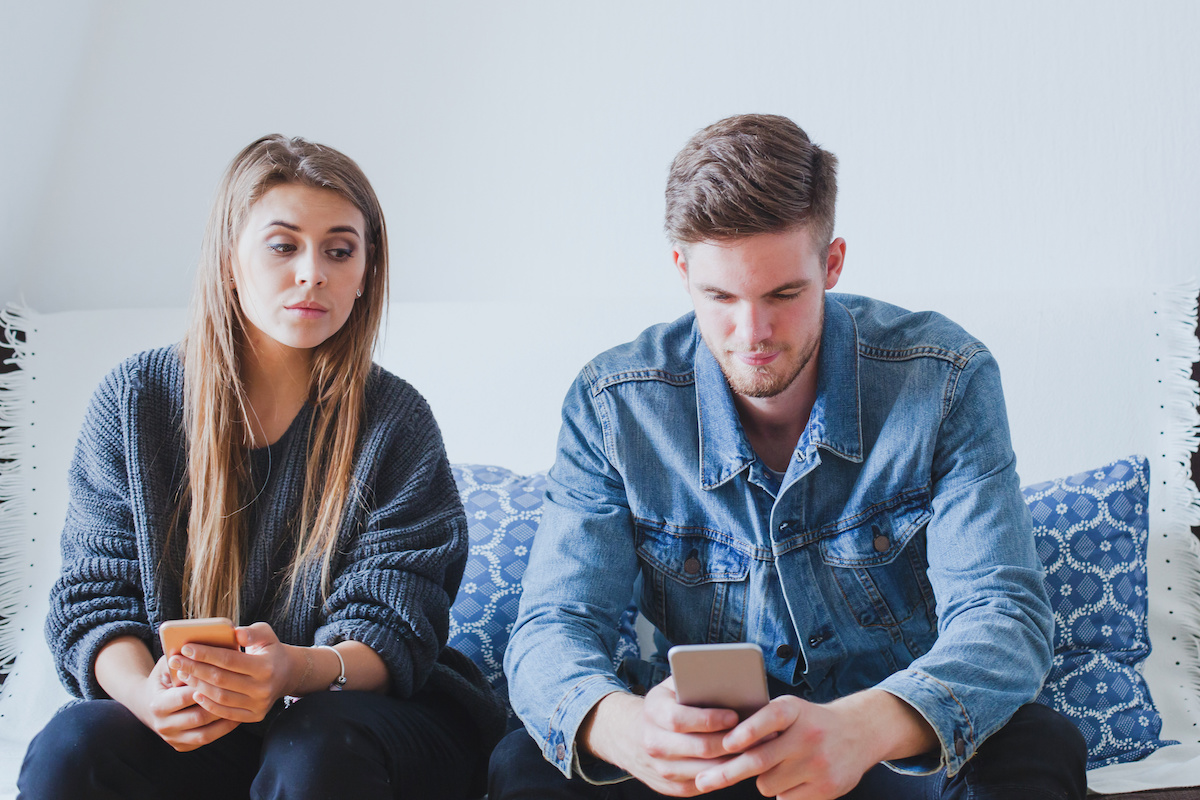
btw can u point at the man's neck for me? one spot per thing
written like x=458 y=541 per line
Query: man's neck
x=774 y=424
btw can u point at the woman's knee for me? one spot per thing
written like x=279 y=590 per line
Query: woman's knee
x=78 y=747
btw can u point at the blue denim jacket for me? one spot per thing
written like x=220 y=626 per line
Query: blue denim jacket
x=897 y=553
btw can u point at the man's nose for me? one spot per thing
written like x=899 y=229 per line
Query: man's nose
x=754 y=324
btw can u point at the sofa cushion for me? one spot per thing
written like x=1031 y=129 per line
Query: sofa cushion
x=1091 y=531
x=503 y=511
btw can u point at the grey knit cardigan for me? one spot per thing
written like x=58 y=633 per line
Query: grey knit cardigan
x=399 y=559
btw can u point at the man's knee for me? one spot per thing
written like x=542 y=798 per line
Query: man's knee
x=518 y=770
x=1039 y=749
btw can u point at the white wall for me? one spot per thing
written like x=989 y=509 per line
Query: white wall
x=522 y=147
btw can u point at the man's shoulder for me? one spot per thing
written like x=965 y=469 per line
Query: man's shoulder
x=665 y=352
x=885 y=329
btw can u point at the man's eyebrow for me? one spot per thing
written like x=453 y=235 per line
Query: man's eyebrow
x=802 y=283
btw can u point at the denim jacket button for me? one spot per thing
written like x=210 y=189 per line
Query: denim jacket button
x=813 y=641
x=691 y=566
x=560 y=752
x=960 y=747
x=784 y=651
x=882 y=544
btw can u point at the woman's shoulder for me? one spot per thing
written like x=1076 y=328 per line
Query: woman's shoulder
x=155 y=372
x=391 y=399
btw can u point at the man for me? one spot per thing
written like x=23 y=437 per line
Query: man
x=829 y=477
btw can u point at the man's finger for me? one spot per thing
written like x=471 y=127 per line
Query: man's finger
x=770 y=720
x=737 y=769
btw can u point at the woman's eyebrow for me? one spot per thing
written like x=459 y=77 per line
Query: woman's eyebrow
x=335 y=229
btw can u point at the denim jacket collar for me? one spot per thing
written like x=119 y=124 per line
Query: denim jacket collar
x=834 y=424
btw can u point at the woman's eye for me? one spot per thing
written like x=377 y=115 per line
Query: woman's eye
x=340 y=253
x=281 y=247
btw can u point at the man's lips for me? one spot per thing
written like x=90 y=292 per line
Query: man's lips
x=757 y=359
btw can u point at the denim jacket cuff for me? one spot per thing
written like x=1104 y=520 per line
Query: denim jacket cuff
x=934 y=701
x=559 y=746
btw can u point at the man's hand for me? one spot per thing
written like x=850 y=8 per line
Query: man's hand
x=663 y=744
x=819 y=752
x=239 y=686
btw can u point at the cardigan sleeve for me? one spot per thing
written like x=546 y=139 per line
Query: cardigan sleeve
x=401 y=568
x=98 y=595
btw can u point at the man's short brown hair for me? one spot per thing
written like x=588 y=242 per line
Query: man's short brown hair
x=750 y=174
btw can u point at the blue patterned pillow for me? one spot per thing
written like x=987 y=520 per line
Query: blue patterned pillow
x=503 y=512
x=1091 y=532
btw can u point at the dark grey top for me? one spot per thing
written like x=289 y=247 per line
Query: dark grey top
x=399 y=559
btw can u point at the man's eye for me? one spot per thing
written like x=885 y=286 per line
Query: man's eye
x=787 y=295
x=281 y=247
x=718 y=298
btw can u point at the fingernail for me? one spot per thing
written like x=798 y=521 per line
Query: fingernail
x=174 y=662
x=188 y=650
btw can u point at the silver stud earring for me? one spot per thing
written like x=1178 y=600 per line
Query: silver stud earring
x=358 y=293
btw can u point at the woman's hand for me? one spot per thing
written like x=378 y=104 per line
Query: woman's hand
x=237 y=686
x=126 y=670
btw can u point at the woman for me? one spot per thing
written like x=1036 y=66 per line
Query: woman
x=265 y=470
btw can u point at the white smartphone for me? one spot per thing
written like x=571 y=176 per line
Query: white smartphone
x=720 y=676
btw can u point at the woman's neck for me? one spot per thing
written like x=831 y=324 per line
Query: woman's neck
x=276 y=378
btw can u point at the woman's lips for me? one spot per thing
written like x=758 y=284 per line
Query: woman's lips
x=307 y=310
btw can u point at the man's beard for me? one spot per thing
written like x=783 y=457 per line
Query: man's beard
x=771 y=379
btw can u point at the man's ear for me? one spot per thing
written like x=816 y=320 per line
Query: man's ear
x=835 y=259
x=679 y=256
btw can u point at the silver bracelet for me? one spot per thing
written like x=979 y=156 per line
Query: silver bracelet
x=339 y=682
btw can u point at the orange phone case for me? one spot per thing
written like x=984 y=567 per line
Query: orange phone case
x=214 y=631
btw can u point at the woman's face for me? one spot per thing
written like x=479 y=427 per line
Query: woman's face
x=300 y=264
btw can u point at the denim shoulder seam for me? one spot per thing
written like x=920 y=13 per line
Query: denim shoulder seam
x=958 y=358
x=601 y=383
x=952 y=383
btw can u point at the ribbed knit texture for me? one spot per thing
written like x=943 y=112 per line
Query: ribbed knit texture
x=399 y=560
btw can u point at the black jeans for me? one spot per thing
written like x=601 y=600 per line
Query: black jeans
x=1038 y=755
x=328 y=745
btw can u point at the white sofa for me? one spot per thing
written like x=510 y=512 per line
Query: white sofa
x=1090 y=376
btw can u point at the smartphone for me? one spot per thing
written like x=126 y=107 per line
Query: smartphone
x=214 y=631
x=720 y=676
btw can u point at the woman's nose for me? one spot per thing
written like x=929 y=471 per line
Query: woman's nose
x=309 y=270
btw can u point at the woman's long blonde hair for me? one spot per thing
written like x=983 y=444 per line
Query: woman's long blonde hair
x=216 y=408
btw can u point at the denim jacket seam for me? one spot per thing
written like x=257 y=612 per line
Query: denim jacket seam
x=757 y=553
x=604 y=382
x=825 y=531
x=554 y=721
x=951 y=390
x=962 y=709
x=876 y=353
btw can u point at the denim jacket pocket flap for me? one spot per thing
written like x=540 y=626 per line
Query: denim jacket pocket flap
x=876 y=538
x=693 y=556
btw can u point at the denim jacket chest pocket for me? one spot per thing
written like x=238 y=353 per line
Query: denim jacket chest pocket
x=878 y=562
x=694 y=583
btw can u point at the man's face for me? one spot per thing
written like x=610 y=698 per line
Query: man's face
x=760 y=304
